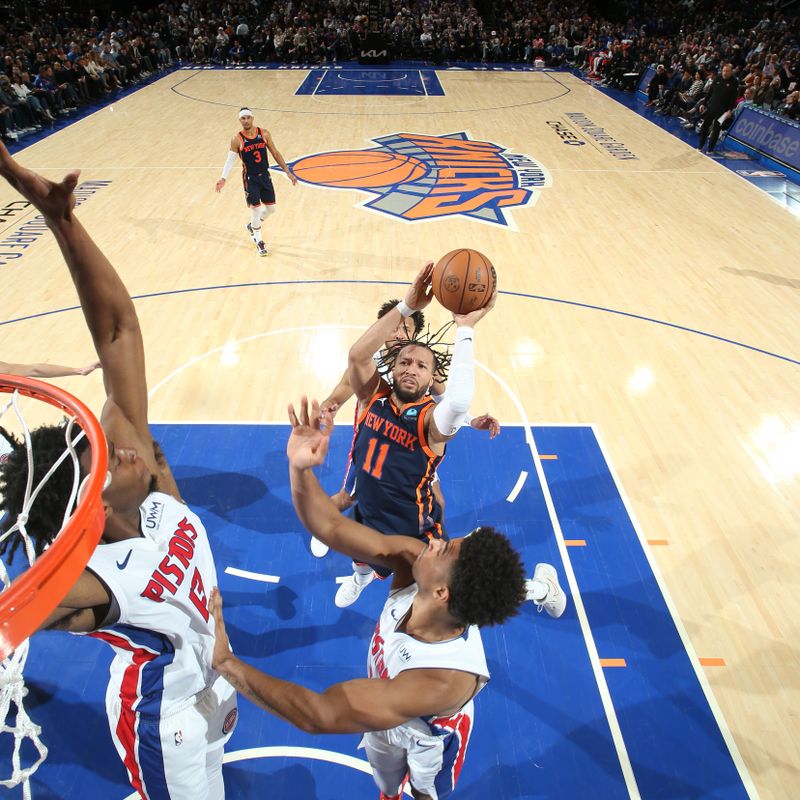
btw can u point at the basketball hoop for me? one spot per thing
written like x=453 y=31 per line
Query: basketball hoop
x=26 y=602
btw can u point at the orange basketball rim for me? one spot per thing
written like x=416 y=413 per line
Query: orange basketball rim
x=28 y=601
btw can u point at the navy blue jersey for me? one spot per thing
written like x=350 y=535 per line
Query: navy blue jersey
x=254 y=154
x=394 y=468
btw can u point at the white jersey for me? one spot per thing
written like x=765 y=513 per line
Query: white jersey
x=164 y=637
x=392 y=652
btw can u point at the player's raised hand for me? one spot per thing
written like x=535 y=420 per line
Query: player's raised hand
x=420 y=293
x=486 y=422
x=54 y=200
x=311 y=435
x=222 y=647
x=329 y=408
x=89 y=368
x=471 y=319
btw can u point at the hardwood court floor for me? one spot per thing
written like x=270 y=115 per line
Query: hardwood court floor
x=656 y=297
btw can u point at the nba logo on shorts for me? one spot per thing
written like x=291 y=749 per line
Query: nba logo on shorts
x=230 y=721
x=178 y=738
x=418 y=177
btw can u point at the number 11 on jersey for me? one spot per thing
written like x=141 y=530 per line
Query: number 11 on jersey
x=377 y=470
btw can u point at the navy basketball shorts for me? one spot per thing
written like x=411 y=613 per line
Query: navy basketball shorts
x=384 y=572
x=258 y=190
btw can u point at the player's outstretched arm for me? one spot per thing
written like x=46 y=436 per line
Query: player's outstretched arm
x=306 y=449
x=451 y=411
x=107 y=307
x=350 y=707
x=339 y=396
x=363 y=373
x=232 y=158
x=46 y=370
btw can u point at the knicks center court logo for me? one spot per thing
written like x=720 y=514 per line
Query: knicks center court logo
x=415 y=177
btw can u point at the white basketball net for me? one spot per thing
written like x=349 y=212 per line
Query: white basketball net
x=12 y=681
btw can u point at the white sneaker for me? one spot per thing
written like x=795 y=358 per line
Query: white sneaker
x=554 y=601
x=318 y=548
x=349 y=591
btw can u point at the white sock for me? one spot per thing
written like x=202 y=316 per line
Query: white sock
x=362 y=573
x=536 y=590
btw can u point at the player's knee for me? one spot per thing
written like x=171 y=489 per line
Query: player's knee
x=267 y=211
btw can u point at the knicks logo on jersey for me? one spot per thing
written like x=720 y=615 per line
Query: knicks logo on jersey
x=418 y=177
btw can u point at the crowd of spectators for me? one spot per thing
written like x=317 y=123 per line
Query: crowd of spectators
x=56 y=59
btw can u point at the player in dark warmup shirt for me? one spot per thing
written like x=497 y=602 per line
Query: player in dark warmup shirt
x=252 y=146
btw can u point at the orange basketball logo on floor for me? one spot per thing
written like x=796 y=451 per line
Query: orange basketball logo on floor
x=419 y=177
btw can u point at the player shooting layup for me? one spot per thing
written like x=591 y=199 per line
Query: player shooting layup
x=426 y=660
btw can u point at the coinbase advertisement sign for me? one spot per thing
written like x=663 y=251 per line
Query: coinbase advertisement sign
x=776 y=137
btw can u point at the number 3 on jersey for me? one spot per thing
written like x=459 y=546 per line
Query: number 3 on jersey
x=377 y=470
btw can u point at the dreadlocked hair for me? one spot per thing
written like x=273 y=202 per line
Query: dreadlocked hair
x=430 y=340
x=46 y=514
x=487 y=584
x=417 y=316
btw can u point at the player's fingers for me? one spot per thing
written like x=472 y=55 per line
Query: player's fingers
x=304 y=410
x=315 y=414
x=70 y=180
x=293 y=417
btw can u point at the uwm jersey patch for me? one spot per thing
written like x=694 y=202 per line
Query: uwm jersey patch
x=415 y=177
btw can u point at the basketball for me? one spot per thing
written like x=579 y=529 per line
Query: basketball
x=463 y=281
x=359 y=169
